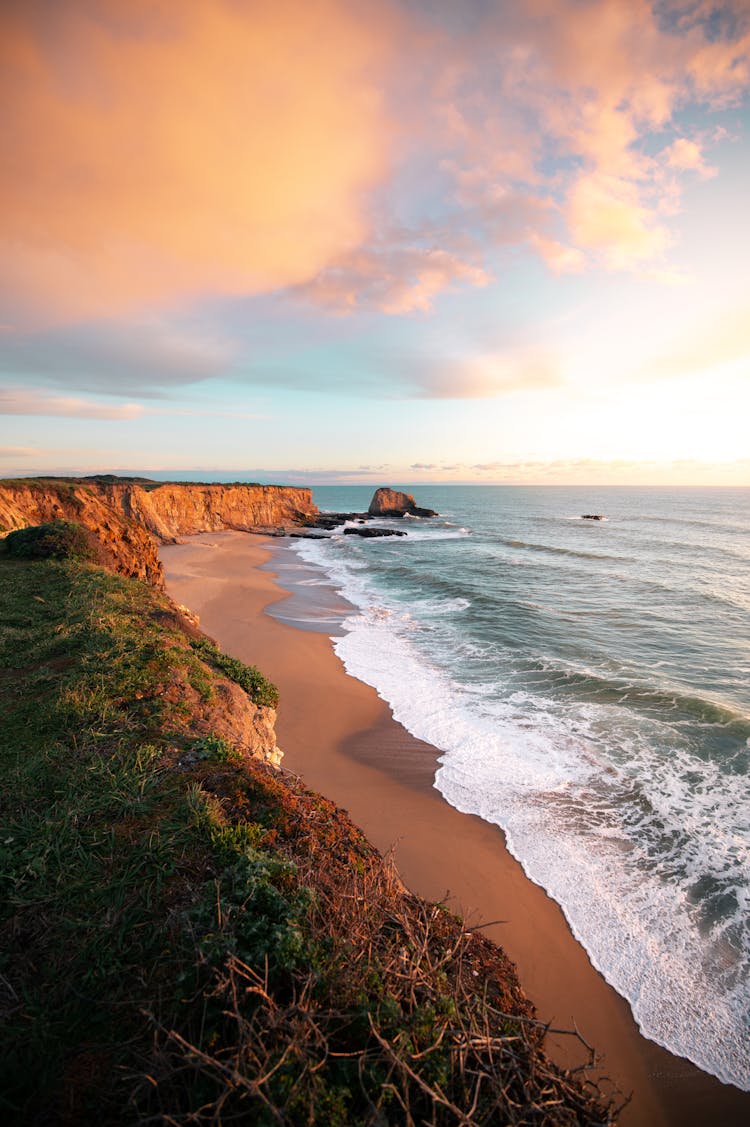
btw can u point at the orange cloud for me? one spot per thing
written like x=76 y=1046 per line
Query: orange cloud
x=592 y=471
x=704 y=347
x=595 y=78
x=605 y=213
x=394 y=279
x=10 y=452
x=27 y=401
x=687 y=156
x=156 y=150
x=502 y=373
x=488 y=375
x=561 y=259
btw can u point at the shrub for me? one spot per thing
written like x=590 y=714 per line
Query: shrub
x=260 y=690
x=57 y=539
x=216 y=749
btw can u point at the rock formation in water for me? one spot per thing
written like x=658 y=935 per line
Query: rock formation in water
x=372 y=533
x=392 y=503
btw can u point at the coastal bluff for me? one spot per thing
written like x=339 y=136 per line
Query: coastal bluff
x=190 y=934
x=241 y=948
x=129 y=518
x=173 y=510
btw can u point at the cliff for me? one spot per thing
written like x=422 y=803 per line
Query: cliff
x=169 y=510
x=190 y=936
x=126 y=546
x=127 y=518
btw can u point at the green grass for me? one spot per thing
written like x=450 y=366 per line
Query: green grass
x=248 y=677
x=147 y=483
x=190 y=937
x=58 y=540
x=98 y=838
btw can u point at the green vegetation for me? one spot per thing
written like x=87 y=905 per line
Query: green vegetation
x=187 y=936
x=146 y=483
x=257 y=687
x=215 y=748
x=57 y=540
x=91 y=479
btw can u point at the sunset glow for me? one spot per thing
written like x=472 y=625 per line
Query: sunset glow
x=332 y=241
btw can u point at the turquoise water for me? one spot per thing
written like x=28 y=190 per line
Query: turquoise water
x=588 y=685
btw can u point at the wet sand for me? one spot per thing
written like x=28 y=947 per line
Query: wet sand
x=341 y=738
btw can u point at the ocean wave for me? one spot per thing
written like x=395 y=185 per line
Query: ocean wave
x=555 y=550
x=601 y=724
x=733 y=528
x=684 y=550
x=581 y=828
x=668 y=703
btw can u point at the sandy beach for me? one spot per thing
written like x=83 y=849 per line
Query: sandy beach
x=341 y=738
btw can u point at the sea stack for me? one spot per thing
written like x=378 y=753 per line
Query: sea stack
x=391 y=503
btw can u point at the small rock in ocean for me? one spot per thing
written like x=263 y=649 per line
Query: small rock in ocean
x=369 y=533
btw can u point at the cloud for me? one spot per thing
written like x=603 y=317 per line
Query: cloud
x=620 y=471
x=645 y=66
x=106 y=356
x=605 y=214
x=394 y=279
x=399 y=373
x=312 y=476
x=10 y=452
x=20 y=401
x=687 y=156
x=723 y=339
x=487 y=375
x=561 y=259
x=557 y=101
x=161 y=150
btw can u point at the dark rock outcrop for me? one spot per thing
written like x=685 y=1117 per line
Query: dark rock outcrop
x=392 y=503
x=370 y=533
x=329 y=521
x=592 y=516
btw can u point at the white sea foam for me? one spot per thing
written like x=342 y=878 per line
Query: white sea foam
x=583 y=823
x=423 y=532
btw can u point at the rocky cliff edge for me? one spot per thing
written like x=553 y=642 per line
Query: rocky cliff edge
x=128 y=519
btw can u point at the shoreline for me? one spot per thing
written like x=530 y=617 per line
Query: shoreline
x=342 y=739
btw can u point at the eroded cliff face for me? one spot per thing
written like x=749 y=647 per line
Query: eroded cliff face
x=169 y=511
x=127 y=519
x=126 y=546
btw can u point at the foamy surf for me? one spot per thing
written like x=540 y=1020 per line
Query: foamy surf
x=621 y=786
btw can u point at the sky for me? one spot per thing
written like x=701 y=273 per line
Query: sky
x=335 y=240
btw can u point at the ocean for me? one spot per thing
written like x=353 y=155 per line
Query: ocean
x=587 y=684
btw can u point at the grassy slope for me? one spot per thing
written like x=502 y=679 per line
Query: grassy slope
x=186 y=936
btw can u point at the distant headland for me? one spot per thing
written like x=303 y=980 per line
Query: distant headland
x=129 y=517
x=189 y=932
